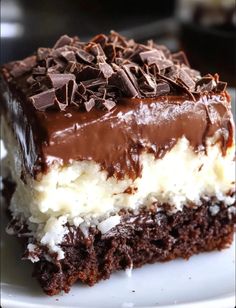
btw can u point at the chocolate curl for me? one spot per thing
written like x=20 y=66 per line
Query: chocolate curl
x=21 y=67
x=59 y=80
x=63 y=41
x=44 y=100
x=89 y=104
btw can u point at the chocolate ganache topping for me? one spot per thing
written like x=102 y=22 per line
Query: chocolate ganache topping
x=109 y=100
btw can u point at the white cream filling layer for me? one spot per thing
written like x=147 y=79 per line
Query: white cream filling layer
x=81 y=193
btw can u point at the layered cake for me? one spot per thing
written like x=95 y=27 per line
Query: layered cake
x=120 y=155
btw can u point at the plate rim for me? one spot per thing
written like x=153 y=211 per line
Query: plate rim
x=224 y=301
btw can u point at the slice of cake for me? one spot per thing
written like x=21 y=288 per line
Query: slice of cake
x=121 y=155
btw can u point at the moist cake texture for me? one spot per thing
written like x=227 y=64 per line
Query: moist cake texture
x=120 y=155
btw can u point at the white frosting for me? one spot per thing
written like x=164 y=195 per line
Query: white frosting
x=81 y=193
x=82 y=189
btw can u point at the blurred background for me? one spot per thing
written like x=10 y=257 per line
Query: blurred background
x=205 y=29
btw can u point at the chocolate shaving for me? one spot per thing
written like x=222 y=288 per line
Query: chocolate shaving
x=109 y=104
x=84 y=56
x=72 y=87
x=43 y=100
x=100 y=39
x=130 y=70
x=221 y=86
x=30 y=80
x=21 y=67
x=110 y=52
x=106 y=69
x=99 y=73
x=125 y=84
x=81 y=88
x=118 y=39
x=88 y=72
x=185 y=79
x=59 y=80
x=62 y=97
x=205 y=84
x=89 y=104
x=180 y=58
x=162 y=88
x=63 y=41
x=97 y=51
x=151 y=56
x=147 y=84
x=68 y=55
x=39 y=70
x=70 y=68
x=43 y=53
x=164 y=49
x=162 y=64
x=65 y=94
x=195 y=75
x=94 y=83
x=55 y=69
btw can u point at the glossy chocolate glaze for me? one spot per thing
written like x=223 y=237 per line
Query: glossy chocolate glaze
x=114 y=139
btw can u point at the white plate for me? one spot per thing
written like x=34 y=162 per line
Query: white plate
x=205 y=281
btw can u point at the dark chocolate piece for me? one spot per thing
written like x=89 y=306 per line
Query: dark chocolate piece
x=63 y=41
x=162 y=88
x=69 y=55
x=186 y=80
x=125 y=84
x=39 y=71
x=151 y=56
x=221 y=86
x=43 y=53
x=109 y=104
x=206 y=83
x=44 y=99
x=89 y=104
x=106 y=69
x=85 y=56
x=180 y=58
x=59 y=80
x=62 y=97
x=21 y=67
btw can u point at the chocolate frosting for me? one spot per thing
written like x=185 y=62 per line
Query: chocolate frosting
x=128 y=121
x=115 y=139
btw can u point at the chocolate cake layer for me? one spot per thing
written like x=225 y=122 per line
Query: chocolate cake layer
x=111 y=105
x=140 y=239
x=148 y=236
